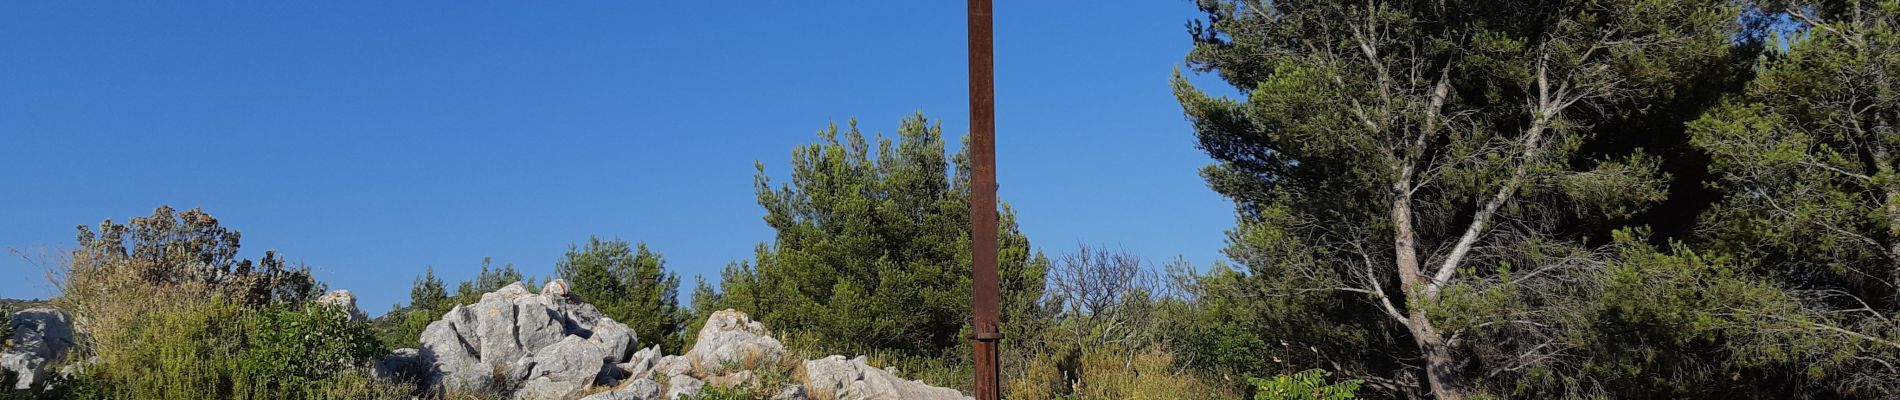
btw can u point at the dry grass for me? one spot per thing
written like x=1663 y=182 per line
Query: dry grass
x=1111 y=373
x=109 y=301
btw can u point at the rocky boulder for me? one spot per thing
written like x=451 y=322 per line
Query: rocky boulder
x=641 y=364
x=838 y=378
x=41 y=336
x=683 y=386
x=731 y=339
x=345 y=300
x=403 y=365
x=540 y=346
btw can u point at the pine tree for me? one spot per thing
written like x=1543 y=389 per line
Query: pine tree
x=630 y=284
x=1415 y=185
x=1807 y=158
x=427 y=292
x=873 y=247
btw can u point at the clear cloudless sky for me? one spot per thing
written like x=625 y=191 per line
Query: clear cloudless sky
x=370 y=140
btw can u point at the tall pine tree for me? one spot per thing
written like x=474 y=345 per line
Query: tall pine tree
x=1415 y=196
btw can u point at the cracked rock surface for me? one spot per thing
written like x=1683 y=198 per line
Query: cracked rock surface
x=554 y=346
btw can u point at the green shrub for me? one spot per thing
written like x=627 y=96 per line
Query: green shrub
x=170 y=313
x=293 y=349
x=1304 y=385
x=218 y=349
x=403 y=327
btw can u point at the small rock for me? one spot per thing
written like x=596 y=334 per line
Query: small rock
x=791 y=392
x=555 y=288
x=683 y=386
x=730 y=338
x=672 y=366
x=638 y=389
x=402 y=364
x=641 y=363
x=346 y=300
x=548 y=389
x=639 y=366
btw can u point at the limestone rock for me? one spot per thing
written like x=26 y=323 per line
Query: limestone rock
x=402 y=364
x=683 y=387
x=41 y=336
x=543 y=346
x=555 y=288
x=638 y=389
x=853 y=379
x=640 y=365
x=672 y=366
x=544 y=388
x=573 y=361
x=613 y=337
x=791 y=392
x=553 y=346
x=346 y=300
x=730 y=338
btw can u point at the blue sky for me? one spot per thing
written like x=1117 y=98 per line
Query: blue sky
x=372 y=139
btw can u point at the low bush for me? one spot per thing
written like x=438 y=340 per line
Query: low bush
x=1304 y=385
x=170 y=313
x=218 y=349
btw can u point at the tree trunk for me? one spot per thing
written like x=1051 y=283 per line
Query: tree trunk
x=1404 y=236
x=1441 y=369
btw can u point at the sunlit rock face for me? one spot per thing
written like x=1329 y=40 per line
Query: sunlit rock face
x=41 y=336
x=554 y=346
x=538 y=346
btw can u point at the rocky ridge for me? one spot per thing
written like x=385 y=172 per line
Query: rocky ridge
x=552 y=345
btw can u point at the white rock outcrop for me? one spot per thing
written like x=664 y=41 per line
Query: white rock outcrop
x=41 y=337
x=540 y=346
x=731 y=339
x=553 y=346
x=345 y=300
x=838 y=378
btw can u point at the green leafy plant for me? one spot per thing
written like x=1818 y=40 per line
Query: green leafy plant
x=1304 y=385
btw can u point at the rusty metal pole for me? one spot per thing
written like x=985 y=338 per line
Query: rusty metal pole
x=985 y=299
